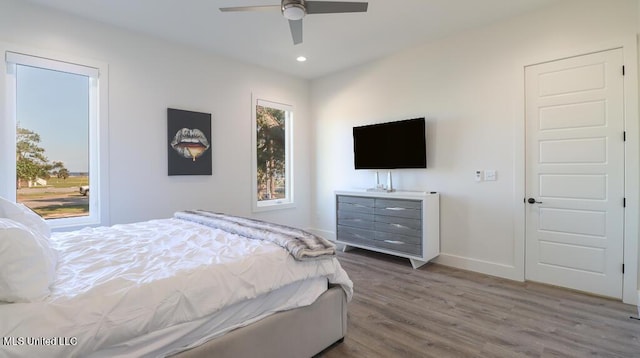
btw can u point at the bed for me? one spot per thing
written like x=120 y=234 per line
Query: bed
x=193 y=285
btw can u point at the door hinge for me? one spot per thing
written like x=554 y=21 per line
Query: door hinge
x=623 y=70
x=622 y=268
x=624 y=202
x=624 y=136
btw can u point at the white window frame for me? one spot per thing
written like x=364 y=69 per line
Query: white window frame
x=288 y=200
x=98 y=127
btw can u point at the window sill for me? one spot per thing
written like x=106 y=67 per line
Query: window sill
x=71 y=224
x=260 y=207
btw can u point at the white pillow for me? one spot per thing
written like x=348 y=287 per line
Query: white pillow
x=25 y=216
x=27 y=263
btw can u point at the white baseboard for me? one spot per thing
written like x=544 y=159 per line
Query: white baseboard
x=485 y=267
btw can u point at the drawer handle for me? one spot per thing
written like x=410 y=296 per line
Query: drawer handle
x=396 y=208
x=394 y=242
x=357 y=236
x=359 y=205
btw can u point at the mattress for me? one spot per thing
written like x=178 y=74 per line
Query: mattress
x=120 y=288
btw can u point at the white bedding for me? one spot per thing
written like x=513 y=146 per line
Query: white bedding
x=116 y=284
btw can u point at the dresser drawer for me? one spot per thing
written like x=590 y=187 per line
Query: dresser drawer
x=355 y=204
x=399 y=212
x=400 y=243
x=356 y=200
x=356 y=236
x=398 y=225
x=355 y=219
x=398 y=203
x=389 y=237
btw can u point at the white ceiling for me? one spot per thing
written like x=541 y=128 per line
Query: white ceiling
x=331 y=41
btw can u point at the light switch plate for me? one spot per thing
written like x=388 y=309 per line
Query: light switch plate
x=490 y=175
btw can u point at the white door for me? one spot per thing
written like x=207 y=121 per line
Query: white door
x=575 y=173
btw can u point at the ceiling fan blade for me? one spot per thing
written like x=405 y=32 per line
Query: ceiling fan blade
x=296 y=31
x=331 y=7
x=251 y=8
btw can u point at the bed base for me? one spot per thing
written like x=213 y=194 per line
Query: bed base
x=301 y=332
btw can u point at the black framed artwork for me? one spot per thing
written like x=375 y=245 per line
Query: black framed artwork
x=189 y=142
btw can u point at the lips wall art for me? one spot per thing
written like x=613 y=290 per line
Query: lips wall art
x=189 y=142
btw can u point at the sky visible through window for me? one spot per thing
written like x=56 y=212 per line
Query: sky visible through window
x=56 y=106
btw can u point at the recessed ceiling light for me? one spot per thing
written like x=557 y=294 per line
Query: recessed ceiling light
x=301 y=59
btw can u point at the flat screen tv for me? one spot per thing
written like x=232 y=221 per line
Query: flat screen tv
x=391 y=145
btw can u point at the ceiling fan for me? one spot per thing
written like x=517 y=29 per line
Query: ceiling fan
x=295 y=10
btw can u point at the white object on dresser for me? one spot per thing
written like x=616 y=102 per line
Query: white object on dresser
x=401 y=223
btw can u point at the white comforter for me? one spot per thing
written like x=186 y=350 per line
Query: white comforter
x=128 y=280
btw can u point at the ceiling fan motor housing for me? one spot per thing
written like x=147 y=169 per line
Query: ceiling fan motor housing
x=293 y=9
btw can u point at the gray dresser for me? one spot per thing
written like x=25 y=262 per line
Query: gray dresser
x=399 y=223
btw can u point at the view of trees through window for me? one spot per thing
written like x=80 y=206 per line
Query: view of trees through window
x=271 y=153
x=52 y=137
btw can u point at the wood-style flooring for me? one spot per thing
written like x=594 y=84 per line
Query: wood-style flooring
x=438 y=311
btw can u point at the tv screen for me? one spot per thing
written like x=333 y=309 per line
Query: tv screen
x=391 y=145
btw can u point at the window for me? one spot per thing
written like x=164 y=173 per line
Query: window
x=272 y=156
x=52 y=125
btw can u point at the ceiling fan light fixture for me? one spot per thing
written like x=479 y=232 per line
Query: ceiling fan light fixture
x=293 y=11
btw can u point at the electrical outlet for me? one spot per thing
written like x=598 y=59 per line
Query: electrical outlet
x=478 y=175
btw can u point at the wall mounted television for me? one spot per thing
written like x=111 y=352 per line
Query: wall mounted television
x=390 y=145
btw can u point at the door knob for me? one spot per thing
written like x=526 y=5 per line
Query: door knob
x=533 y=201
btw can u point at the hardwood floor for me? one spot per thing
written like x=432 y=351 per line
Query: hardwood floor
x=438 y=311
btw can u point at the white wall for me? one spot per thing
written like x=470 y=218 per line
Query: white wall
x=470 y=88
x=145 y=77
